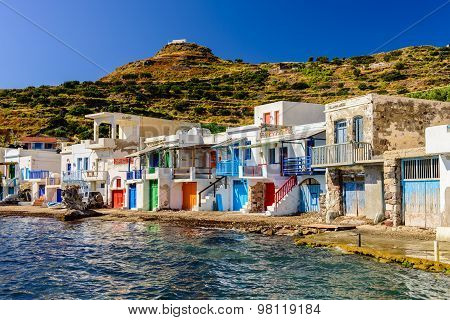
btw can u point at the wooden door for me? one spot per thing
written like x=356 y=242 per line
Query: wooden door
x=269 y=196
x=117 y=196
x=189 y=195
x=354 y=198
x=153 y=199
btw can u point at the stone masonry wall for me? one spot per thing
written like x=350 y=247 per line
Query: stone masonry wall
x=256 y=196
x=333 y=201
x=399 y=123
x=392 y=191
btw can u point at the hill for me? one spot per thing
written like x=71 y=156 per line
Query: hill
x=187 y=81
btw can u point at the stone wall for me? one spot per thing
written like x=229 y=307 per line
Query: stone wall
x=333 y=202
x=399 y=122
x=256 y=194
x=392 y=190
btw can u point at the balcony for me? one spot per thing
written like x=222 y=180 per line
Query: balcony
x=297 y=166
x=343 y=154
x=134 y=175
x=72 y=176
x=258 y=171
x=36 y=175
x=101 y=143
x=192 y=173
x=227 y=168
x=93 y=175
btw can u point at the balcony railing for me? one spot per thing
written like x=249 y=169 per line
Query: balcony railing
x=252 y=171
x=36 y=174
x=72 y=176
x=341 y=154
x=227 y=168
x=297 y=166
x=192 y=173
x=134 y=175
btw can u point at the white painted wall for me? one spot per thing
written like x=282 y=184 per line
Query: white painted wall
x=290 y=113
x=437 y=139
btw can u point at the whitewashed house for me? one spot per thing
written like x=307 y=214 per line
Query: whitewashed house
x=437 y=143
x=100 y=165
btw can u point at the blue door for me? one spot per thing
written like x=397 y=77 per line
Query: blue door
x=58 y=195
x=41 y=191
x=240 y=194
x=309 y=197
x=354 y=198
x=132 y=196
x=421 y=203
x=219 y=202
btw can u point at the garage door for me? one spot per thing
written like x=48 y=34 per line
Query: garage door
x=354 y=198
x=117 y=196
x=240 y=194
x=420 y=192
x=189 y=195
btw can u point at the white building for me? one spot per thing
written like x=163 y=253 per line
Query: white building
x=437 y=143
x=35 y=170
x=100 y=165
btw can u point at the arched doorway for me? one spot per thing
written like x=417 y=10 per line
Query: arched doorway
x=309 y=195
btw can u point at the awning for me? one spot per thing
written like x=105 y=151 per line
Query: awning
x=147 y=149
x=228 y=142
x=303 y=135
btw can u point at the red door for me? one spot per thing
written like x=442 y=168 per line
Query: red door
x=213 y=159
x=117 y=196
x=266 y=118
x=269 y=198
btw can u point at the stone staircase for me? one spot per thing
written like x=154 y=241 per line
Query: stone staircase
x=207 y=201
x=288 y=205
x=287 y=198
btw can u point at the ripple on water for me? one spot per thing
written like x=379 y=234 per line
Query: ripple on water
x=47 y=259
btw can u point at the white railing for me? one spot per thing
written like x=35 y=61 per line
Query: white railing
x=341 y=154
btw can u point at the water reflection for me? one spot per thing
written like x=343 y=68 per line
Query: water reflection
x=47 y=259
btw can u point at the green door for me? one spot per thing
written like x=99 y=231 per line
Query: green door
x=153 y=194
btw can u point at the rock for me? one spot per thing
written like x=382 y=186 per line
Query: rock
x=388 y=223
x=379 y=218
x=71 y=215
x=330 y=216
x=268 y=232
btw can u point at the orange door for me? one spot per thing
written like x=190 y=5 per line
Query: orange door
x=269 y=198
x=117 y=196
x=189 y=195
x=266 y=118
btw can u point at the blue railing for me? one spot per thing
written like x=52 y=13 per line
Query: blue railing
x=36 y=174
x=297 y=166
x=134 y=175
x=227 y=168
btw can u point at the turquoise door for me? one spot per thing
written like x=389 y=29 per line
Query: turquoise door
x=240 y=194
x=354 y=198
x=309 y=197
x=132 y=196
x=421 y=203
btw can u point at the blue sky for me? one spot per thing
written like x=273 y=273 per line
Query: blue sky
x=112 y=32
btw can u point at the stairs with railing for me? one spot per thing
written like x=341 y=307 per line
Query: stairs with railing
x=286 y=199
x=206 y=202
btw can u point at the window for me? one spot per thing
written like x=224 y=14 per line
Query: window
x=49 y=146
x=272 y=159
x=102 y=186
x=340 y=131
x=38 y=145
x=79 y=163
x=358 y=135
x=10 y=190
x=277 y=117
x=266 y=118
x=248 y=151
x=86 y=163
x=119 y=183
